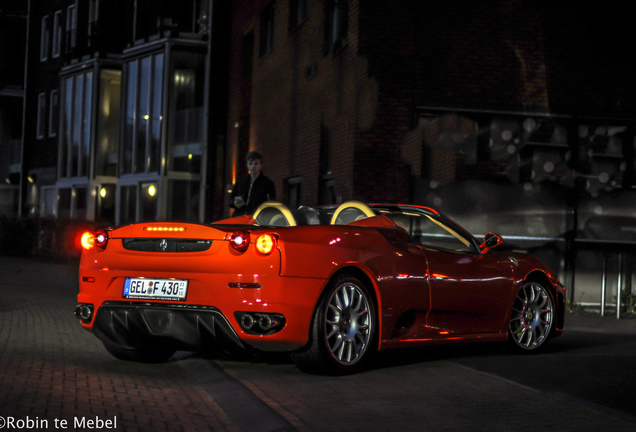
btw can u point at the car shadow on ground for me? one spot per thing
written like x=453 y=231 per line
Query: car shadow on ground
x=571 y=341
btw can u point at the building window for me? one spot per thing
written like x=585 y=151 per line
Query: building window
x=105 y=202
x=93 y=15
x=186 y=112
x=336 y=25
x=143 y=115
x=72 y=202
x=41 y=115
x=185 y=200
x=44 y=39
x=297 y=13
x=53 y=113
x=108 y=123
x=138 y=202
x=76 y=125
x=149 y=200
x=128 y=205
x=267 y=29
x=57 y=34
x=71 y=27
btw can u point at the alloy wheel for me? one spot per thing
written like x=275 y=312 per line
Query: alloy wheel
x=348 y=323
x=532 y=316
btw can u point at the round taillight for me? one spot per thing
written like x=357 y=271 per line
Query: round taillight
x=265 y=243
x=101 y=238
x=240 y=240
x=87 y=240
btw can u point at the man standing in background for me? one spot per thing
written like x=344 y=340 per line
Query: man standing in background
x=253 y=189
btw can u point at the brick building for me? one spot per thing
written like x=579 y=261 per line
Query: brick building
x=376 y=100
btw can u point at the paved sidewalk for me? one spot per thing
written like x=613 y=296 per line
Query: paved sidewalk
x=53 y=370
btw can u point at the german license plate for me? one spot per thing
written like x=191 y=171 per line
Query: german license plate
x=155 y=289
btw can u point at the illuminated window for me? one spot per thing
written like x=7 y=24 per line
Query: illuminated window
x=143 y=115
x=77 y=122
x=185 y=145
x=108 y=121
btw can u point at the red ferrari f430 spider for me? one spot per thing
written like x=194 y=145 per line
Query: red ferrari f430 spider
x=330 y=285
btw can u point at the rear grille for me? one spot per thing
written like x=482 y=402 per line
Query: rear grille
x=166 y=245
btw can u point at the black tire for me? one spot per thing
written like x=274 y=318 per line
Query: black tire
x=533 y=317
x=343 y=330
x=141 y=355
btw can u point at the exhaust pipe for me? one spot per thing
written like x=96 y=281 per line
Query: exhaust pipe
x=84 y=312
x=259 y=322
x=247 y=322
x=265 y=322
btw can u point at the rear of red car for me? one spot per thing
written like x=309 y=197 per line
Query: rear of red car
x=147 y=290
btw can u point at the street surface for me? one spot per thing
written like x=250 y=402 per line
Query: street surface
x=57 y=376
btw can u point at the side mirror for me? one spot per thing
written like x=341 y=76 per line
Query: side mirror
x=491 y=241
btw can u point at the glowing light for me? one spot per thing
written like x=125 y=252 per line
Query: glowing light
x=240 y=241
x=152 y=190
x=103 y=192
x=87 y=240
x=265 y=243
x=165 y=228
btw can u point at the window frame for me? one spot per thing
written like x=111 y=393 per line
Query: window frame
x=297 y=13
x=71 y=27
x=44 y=38
x=41 y=118
x=336 y=25
x=140 y=150
x=56 y=49
x=267 y=28
x=54 y=103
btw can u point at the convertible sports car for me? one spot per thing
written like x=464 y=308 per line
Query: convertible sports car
x=331 y=285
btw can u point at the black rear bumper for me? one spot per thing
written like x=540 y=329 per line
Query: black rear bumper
x=136 y=325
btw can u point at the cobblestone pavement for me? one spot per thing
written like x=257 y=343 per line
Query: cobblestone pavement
x=56 y=376
x=56 y=372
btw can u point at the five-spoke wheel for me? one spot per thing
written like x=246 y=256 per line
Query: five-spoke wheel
x=532 y=318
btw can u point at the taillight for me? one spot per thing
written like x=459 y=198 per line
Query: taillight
x=240 y=240
x=90 y=240
x=265 y=243
x=87 y=240
x=101 y=238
